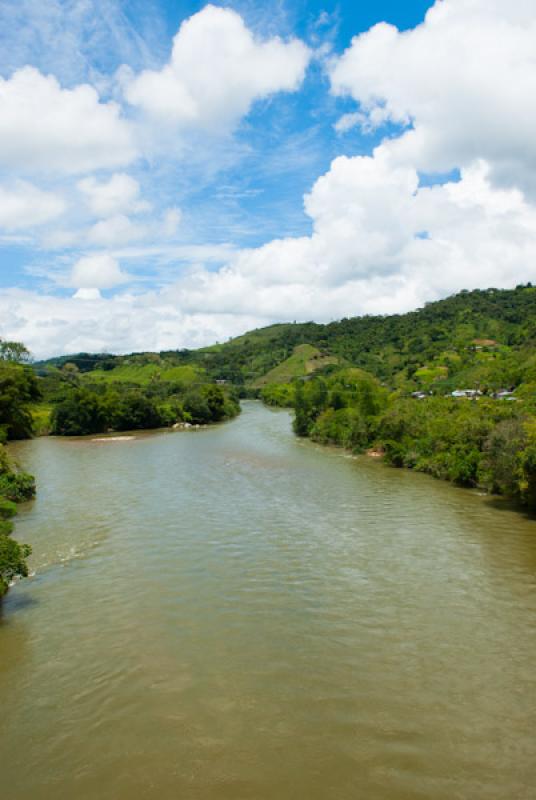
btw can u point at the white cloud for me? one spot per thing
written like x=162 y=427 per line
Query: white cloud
x=115 y=231
x=217 y=70
x=379 y=244
x=349 y=121
x=118 y=195
x=465 y=80
x=122 y=323
x=46 y=128
x=23 y=205
x=97 y=271
x=462 y=83
x=87 y=294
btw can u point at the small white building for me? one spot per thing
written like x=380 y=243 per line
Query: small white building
x=467 y=393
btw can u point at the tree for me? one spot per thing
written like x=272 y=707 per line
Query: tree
x=14 y=351
x=501 y=467
x=135 y=411
x=14 y=486
x=18 y=388
x=80 y=413
x=12 y=561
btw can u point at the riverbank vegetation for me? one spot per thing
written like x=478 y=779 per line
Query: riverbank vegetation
x=143 y=392
x=15 y=487
x=486 y=442
x=449 y=389
x=455 y=399
x=18 y=389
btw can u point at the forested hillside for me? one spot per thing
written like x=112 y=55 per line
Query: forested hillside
x=465 y=334
x=392 y=347
x=449 y=389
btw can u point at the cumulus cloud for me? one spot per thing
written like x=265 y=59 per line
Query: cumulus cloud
x=462 y=83
x=118 y=195
x=115 y=231
x=459 y=86
x=216 y=71
x=122 y=323
x=46 y=128
x=96 y=271
x=23 y=205
x=379 y=244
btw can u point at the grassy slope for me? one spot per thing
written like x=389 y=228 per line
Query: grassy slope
x=305 y=360
x=144 y=374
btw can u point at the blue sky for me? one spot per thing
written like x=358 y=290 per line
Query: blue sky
x=298 y=165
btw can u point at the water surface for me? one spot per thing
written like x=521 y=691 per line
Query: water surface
x=233 y=613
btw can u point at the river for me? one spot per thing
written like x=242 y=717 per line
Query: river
x=232 y=613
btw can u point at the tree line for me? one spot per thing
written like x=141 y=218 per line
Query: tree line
x=485 y=442
x=18 y=388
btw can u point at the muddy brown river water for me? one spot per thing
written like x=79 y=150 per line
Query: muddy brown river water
x=234 y=613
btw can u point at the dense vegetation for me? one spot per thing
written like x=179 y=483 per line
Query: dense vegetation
x=15 y=486
x=351 y=383
x=18 y=388
x=482 y=442
x=403 y=407
x=435 y=346
x=140 y=392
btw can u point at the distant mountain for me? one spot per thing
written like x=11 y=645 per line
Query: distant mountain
x=460 y=336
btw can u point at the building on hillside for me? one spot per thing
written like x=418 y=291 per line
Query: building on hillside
x=471 y=394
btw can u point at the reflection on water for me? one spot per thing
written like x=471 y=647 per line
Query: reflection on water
x=233 y=613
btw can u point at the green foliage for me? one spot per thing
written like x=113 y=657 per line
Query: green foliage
x=305 y=360
x=14 y=487
x=484 y=442
x=350 y=393
x=438 y=338
x=527 y=466
x=133 y=411
x=81 y=412
x=310 y=399
x=501 y=469
x=435 y=347
x=209 y=403
x=14 y=352
x=350 y=384
x=18 y=389
x=41 y=414
x=110 y=406
x=345 y=427
x=12 y=561
x=278 y=394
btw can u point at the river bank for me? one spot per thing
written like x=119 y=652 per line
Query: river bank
x=16 y=486
x=487 y=443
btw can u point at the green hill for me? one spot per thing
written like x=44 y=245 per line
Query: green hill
x=484 y=336
x=305 y=360
x=488 y=335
